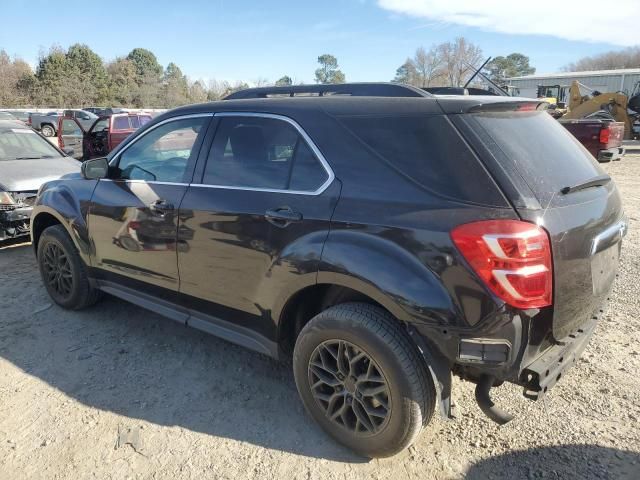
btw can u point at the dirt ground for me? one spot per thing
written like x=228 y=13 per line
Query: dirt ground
x=119 y=392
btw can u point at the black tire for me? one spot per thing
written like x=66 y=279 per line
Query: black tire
x=67 y=283
x=47 y=130
x=365 y=331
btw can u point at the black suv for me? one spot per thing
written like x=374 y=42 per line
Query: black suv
x=385 y=237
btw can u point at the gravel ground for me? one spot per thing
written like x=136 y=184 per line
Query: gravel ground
x=119 y=392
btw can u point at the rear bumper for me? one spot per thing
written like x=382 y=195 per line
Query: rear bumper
x=14 y=223
x=543 y=373
x=610 y=154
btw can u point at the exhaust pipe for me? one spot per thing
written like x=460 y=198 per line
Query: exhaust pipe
x=486 y=404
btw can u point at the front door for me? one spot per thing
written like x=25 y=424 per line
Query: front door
x=133 y=217
x=256 y=222
x=96 y=140
x=72 y=136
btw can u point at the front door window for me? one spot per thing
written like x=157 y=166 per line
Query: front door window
x=162 y=154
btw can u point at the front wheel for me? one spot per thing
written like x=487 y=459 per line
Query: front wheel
x=362 y=379
x=63 y=272
x=48 y=131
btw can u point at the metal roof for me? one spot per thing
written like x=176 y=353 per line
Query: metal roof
x=587 y=73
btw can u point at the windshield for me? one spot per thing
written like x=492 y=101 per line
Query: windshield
x=6 y=116
x=22 y=143
x=546 y=154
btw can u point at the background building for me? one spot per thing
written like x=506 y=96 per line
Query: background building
x=602 y=80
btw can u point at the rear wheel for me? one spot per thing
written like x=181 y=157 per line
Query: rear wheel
x=362 y=379
x=48 y=131
x=63 y=272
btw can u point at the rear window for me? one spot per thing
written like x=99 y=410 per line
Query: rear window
x=547 y=156
x=428 y=150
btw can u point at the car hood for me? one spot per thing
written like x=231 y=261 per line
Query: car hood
x=25 y=175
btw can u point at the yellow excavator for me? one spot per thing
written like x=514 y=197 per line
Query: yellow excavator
x=597 y=104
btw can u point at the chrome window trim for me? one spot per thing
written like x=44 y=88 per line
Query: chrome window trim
x=316 y=151
x=153 y=182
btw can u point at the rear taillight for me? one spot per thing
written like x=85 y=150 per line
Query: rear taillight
x=605 y=134
x=512 y=258
x=60 y=142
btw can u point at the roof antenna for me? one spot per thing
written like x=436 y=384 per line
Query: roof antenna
x=501 y=91
x=476 y=72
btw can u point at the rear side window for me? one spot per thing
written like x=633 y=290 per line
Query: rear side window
x=121 y=123
x=255 y=152
x=546 y=154
x=429 y=151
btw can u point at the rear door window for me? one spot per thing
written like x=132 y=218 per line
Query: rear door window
x=546 y=154
x=262 y=153
x=427 y=150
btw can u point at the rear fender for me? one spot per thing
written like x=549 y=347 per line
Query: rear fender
x=392 y=276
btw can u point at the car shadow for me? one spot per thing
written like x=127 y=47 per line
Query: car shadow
x=562 y=461
x=120 y=358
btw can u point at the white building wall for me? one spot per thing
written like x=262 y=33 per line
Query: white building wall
x=605 y=83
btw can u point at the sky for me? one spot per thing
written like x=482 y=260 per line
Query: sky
x=266 y=39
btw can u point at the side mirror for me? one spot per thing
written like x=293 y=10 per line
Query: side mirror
x=69 y=151
x=95 y=169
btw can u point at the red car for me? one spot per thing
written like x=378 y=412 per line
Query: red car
x=106 y=133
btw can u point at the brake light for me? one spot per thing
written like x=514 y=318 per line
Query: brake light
x=60 y=141
x=605 y=134
x=512 y=258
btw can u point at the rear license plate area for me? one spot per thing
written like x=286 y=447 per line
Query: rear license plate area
x=604 y=266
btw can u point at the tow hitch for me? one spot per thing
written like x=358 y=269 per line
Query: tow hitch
x=486 y=404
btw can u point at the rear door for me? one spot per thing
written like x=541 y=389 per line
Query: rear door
x=133 y=217
x=265 y=196
x=533 y=153
x=71 y=135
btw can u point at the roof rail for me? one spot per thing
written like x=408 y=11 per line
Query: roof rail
x=353 y=89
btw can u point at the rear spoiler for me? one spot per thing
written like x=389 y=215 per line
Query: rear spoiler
x=513 y=106
x=477 y=104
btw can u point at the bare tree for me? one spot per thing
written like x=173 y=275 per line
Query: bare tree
x=459 y=58
x=427 y=65
x=626 y=58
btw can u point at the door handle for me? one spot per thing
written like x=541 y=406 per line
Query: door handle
x=161 y=207
x=282 y=216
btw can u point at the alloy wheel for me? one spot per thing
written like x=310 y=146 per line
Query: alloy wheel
x=57 y=270
x=349 y=387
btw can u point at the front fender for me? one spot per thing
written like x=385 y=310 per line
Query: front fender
x=68 y=202
x=392 y=276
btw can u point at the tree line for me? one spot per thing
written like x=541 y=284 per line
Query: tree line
x=451 y=64
x=78 y=77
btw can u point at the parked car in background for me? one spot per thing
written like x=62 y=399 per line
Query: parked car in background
x=24 y=117
x=7 y=116
x=105 y=134
x=27 y=160
x=603 y=138
x=84 y=118
x=103 y=111
x=99 y=111
x=384 y=238
x=46 y=123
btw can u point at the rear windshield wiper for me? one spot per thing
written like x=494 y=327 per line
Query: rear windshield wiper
x=598 y=181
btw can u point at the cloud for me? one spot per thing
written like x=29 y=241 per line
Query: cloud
x=584 y=20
